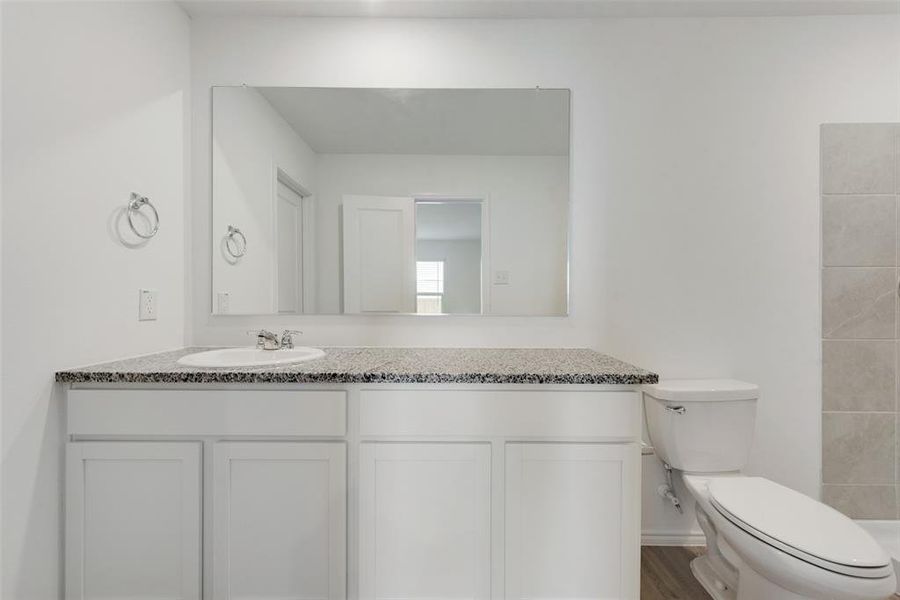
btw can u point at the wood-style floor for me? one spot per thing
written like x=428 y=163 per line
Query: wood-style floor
x=666 y=574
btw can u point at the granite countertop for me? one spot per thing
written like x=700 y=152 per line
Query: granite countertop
x=383 y=365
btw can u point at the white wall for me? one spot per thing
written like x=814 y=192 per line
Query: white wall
x=251 y=141
x=527 y=200
x=694 y=184
x=95 y=105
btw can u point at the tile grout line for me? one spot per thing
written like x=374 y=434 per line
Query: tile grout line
x=859 y=484
x=858 y=412
x=886 y=339
x=851 y=194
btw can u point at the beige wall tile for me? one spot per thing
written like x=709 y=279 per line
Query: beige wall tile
x=859 y=375
x=858 y=158
x=862 y=501
x=858 y=303
x=897 y=158
x=859 y=231
x=896 y=450
x=858 y=447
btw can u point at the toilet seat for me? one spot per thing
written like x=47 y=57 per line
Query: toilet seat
x=799 y=526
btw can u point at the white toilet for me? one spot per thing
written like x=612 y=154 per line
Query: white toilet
x=764 y=541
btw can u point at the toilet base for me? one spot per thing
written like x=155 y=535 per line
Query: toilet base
x=739 y=560
x=754 y=586
x=711 y=582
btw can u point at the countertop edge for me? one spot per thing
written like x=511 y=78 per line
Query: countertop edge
x=299 y=378
x=361 y=365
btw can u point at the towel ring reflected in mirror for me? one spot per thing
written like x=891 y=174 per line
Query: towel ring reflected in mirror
x=135 y=204
x=235 y=242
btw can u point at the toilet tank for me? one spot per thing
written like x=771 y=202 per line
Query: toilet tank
x=701 y=425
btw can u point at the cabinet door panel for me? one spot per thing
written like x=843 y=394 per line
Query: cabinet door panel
x=425 y=521
x=279 y=521
x=133 y=520
x=572 y=521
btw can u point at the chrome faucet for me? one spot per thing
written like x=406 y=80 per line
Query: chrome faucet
x=266 y=340
x=287 y=338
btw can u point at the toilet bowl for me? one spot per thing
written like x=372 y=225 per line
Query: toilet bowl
x=783 y=545
x=764 y=541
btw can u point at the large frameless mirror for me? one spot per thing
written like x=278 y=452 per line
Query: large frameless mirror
x=390 y=201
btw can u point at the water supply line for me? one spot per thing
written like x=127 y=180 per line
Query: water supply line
x=667 y=490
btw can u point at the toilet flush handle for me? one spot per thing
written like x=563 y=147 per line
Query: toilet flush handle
x=678 y=410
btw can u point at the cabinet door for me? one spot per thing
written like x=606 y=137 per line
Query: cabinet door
x=133 y=520
x=279 y=514
x=572 y=521
x=425 y=521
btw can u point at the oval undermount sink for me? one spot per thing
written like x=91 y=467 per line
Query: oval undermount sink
x=250 y=357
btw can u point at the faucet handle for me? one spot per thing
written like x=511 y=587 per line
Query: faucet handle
x=265 y=339
x=287 y=338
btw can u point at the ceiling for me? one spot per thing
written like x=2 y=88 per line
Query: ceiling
x=535 y=8
x=448 y=221
x=500 y=122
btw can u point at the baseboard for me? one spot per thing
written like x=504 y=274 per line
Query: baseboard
x=672 y=538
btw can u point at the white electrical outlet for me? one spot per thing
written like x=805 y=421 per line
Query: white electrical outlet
x=501 y=277
x=222 y=303
x=147 y=308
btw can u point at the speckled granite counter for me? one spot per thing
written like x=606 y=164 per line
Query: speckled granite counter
x=384 y=365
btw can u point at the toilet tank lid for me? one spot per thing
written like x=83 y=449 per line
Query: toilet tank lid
x=702 y=390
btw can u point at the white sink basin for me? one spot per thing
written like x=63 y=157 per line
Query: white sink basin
x=250 y=357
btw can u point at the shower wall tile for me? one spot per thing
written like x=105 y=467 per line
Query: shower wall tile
x=859 y=231
x=858 y=159
x=860 y=325
x=859 y=303
x=858 y=447
x=896 y=449
x=859 y=375
x=897 y=161
x=862 y=501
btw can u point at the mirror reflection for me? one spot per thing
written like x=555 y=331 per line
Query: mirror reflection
x=390 y=201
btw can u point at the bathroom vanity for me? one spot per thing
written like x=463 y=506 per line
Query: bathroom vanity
x=369 y=473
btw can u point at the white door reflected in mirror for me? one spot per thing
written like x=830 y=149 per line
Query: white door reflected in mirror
x=379 y=254
x=351 y=200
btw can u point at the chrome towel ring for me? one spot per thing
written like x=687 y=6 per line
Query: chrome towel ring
x=235 y=248
x=134 y=206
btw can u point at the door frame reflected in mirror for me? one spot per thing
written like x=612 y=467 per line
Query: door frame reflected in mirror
x=306 y=248
x=484 y=201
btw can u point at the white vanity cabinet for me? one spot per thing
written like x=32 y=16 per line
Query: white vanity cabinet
x=279 y=520
x=425 y=520
x=133 y=520
x=568 y=513
x=375 y=491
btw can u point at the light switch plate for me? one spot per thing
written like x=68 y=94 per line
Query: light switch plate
x=222 y=303
x=148 y=307
x=501 y=277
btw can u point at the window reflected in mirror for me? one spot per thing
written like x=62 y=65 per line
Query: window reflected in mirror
x=429 y=287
